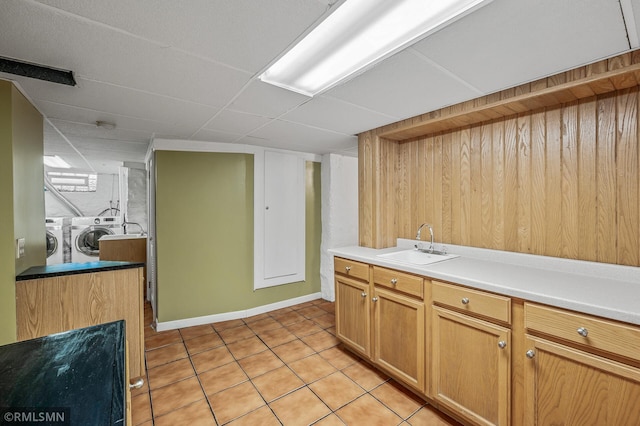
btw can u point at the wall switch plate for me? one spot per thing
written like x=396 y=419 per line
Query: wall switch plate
x=20 y=248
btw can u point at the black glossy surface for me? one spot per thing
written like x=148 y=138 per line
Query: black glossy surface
x=82 y=370
x=62 y=269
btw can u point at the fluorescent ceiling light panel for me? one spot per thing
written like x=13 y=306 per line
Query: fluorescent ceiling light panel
x=357 y=35
x=56 y=162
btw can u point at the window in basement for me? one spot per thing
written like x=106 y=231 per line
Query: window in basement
x=73 y=182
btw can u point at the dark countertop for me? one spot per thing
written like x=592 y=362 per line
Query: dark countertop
x=48 y=271
x=80 y=373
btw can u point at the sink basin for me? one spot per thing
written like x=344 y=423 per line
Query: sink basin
x=416 y=257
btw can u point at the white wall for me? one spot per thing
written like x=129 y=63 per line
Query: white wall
x=339 y=213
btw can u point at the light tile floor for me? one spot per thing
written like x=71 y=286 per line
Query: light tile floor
x=280 y=368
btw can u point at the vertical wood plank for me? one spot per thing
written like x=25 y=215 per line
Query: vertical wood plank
x=476 y=220
x=538 y=182
x=465 y=186
x=438 y=202
x=446 y=184
x=487 y=171
x=524 y=183
x=511 y=185
x=627 y=181
x=570 y=211
x=553 y=216
x=587 y=189
x=422 y=190
x=606 y=180
x=456 y=186
x=497 y=241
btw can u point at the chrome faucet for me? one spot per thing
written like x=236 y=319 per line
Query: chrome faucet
x=430 y=250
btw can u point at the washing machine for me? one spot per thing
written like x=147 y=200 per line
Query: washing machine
x=85 y=233
x=56 y=227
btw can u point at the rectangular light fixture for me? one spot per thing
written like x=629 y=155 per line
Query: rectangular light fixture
x=55 y=162
x=357 y=35
x=40 y=72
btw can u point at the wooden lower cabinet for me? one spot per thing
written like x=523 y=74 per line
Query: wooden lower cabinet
x=399 y=336
x=567 y=386
x=471 y=367
x=353 y=319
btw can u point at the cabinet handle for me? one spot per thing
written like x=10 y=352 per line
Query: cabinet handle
x=502 y=344
x=530 y=353
x=137 y=384
x=375 y=299
x=347 y=268
x=465 y=300
x=363 y=294
x=394 y=281
x=583 y=332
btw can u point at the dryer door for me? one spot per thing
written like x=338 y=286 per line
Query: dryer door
x=52 y=244
x=87 y=241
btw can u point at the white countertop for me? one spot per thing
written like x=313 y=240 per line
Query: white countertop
x=609 y=291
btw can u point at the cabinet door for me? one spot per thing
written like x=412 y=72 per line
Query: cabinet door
x=399 y=345
x=353 y=319
x=565 y=386
x=471 y=367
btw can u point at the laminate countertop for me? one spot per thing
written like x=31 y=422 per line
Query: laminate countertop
x=75 y=378
x=49 y=271
x=605 y=290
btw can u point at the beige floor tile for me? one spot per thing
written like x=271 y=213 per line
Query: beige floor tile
x=312 y=368
x=165 y=355
x=366 y=410
x=261 y=363
x=176 y=395
x=428 y=416
x=203 y=343
x=246 y=347
x=277 y=383
x=264 y=324
x=235 y=402
x=306 y=304
x=170 y=373
x=329 y=307
x=221 y=378
x=258 y=317
x=276 y=337
x=196 y=414
x=301 y=408
x=140 y=409
x=399 y=400
x=331 y=330
x=293 y=351
x=304 y=328
x=338 y=357
x=288 y=318
x=164 y=338
x=364 y=375
x=235 y=334
x=196 y=331
x=320 y=341
x=211 y=359
x=336 y=390
x=330 y=420
x=223 y=325
x=261 y=417
x=311 y=312
x=325 y=321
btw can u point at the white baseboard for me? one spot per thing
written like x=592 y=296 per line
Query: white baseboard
x=208 y=319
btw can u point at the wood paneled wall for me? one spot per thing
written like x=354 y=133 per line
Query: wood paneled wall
x=561 y=181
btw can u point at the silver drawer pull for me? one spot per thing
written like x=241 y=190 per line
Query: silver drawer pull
x=375 y=299
x=583 y=332
x=530 y=353
x=465 y=300
x=394 y=281
x=363 y=294
x=137 y=384
x=347 y=268
x=502 y=344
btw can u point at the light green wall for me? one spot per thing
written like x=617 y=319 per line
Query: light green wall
x=204 y=226
x=22 y=209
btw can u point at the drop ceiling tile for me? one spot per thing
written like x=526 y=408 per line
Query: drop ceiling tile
x=206 y=135
x=89 y=130
x=337 y=115
x=236 y=122
x=297 y=137
x=403 y=86
x=246 y=34
x=509 y=42
x=266 y=100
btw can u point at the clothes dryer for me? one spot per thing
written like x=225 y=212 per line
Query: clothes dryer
x=55 y=227
x=85 y=233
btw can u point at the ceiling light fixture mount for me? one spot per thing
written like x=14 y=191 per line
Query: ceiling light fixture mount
x=105 y=125
x=356 y=36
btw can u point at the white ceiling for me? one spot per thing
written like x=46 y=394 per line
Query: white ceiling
x=188 y=69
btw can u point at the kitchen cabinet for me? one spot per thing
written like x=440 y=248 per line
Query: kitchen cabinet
x=471 y=358
x=353 y=305
x=580 y=370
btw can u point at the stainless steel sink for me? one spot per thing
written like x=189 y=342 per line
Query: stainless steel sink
x=416 y=257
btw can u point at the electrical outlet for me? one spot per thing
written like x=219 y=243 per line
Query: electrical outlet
x=20 y=248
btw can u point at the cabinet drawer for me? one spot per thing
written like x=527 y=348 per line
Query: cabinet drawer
x=351 y=268
x=472 y=301
x=400 y=281
x=604 y=335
